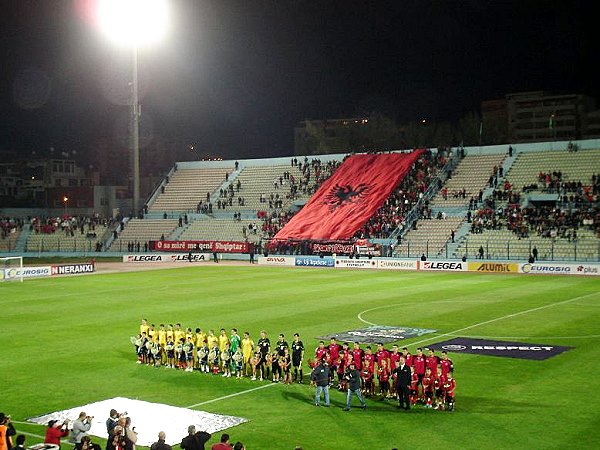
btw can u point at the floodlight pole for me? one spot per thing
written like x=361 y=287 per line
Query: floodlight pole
x=135 y=134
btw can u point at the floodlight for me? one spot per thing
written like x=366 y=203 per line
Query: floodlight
x=133 y=22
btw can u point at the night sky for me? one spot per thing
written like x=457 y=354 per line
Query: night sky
x=234 y=77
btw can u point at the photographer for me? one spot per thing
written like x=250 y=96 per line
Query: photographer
x=56 y=431
x=119 y=440
x=7 y=430
x=80 y=428
x=112 y=421
x=87 y=444
x=130 y=433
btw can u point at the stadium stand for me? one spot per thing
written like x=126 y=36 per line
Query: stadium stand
x=271 y=183
x=471 y=176
x=186 y=188
x=504 y=244
x=518 y=222
x=429 y=238
x=71 y=234
x=142 y=231
x=574 y=166
x=223 y=230
x=10 y=230
x=8 y=242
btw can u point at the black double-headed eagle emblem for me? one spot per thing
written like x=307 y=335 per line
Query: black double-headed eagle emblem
x=341 y=195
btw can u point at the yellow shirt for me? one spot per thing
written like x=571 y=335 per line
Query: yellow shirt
x=247 y=347
x=152 y=335
x=223 y=341
x=144 y=329
x=170 y=335
x=200 y=339
x=179 y=334
x=162 y=337
x=213 y=341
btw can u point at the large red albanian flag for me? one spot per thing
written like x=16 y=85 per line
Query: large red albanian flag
x=349 y=197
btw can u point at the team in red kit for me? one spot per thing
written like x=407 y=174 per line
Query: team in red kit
x=432 y=382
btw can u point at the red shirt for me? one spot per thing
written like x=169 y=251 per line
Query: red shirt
x=334 y=352
x=439 y=382
x=357 y=355
x=320 y=353
x=450 y=386
x=54 y=434
x=393 y=358
x=409 y=359
x=380 y=355
x=419 y=362
x=383 y=374
x=428 y=383
x=348 y=358
x=432 y=363
x=221 y=446
x=370 y=362
x=414 y=380
x=446 y=366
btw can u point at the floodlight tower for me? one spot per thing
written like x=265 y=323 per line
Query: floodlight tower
x=134 y=23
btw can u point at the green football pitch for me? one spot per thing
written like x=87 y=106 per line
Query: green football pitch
x=66 y=343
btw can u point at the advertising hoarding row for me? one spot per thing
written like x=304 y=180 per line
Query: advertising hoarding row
x=433 y=266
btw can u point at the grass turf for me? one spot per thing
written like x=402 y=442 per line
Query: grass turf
x=66 y=343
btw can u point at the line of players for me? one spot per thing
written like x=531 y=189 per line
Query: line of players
x=178 y=348
x=432 y=380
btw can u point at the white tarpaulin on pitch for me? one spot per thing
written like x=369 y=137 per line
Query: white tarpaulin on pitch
x=147 y=418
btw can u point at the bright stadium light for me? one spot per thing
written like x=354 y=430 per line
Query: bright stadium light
x=134 y=23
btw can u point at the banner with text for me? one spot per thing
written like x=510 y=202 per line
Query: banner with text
x=277 y=260
x=493 y=267
x=507 y=349
x=356 y=263
x=560 y=269
x=314 y=261
x=72 y=269
x=26 y=272
x=397 y=264
x=453 y=266
x=167 y=258
x=207 y=246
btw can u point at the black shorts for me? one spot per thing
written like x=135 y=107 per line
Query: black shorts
x=429 y=394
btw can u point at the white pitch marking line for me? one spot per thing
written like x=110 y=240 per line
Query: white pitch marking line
x=508 y=316
x=359 y=315
x=589 y=336
x=232 y=395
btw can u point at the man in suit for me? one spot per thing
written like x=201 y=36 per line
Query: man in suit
x=403 y=378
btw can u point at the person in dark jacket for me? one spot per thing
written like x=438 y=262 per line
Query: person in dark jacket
x=403 y=379
x=352 y=376
x=320 y=378
x=160 y=444
x=195 y=440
